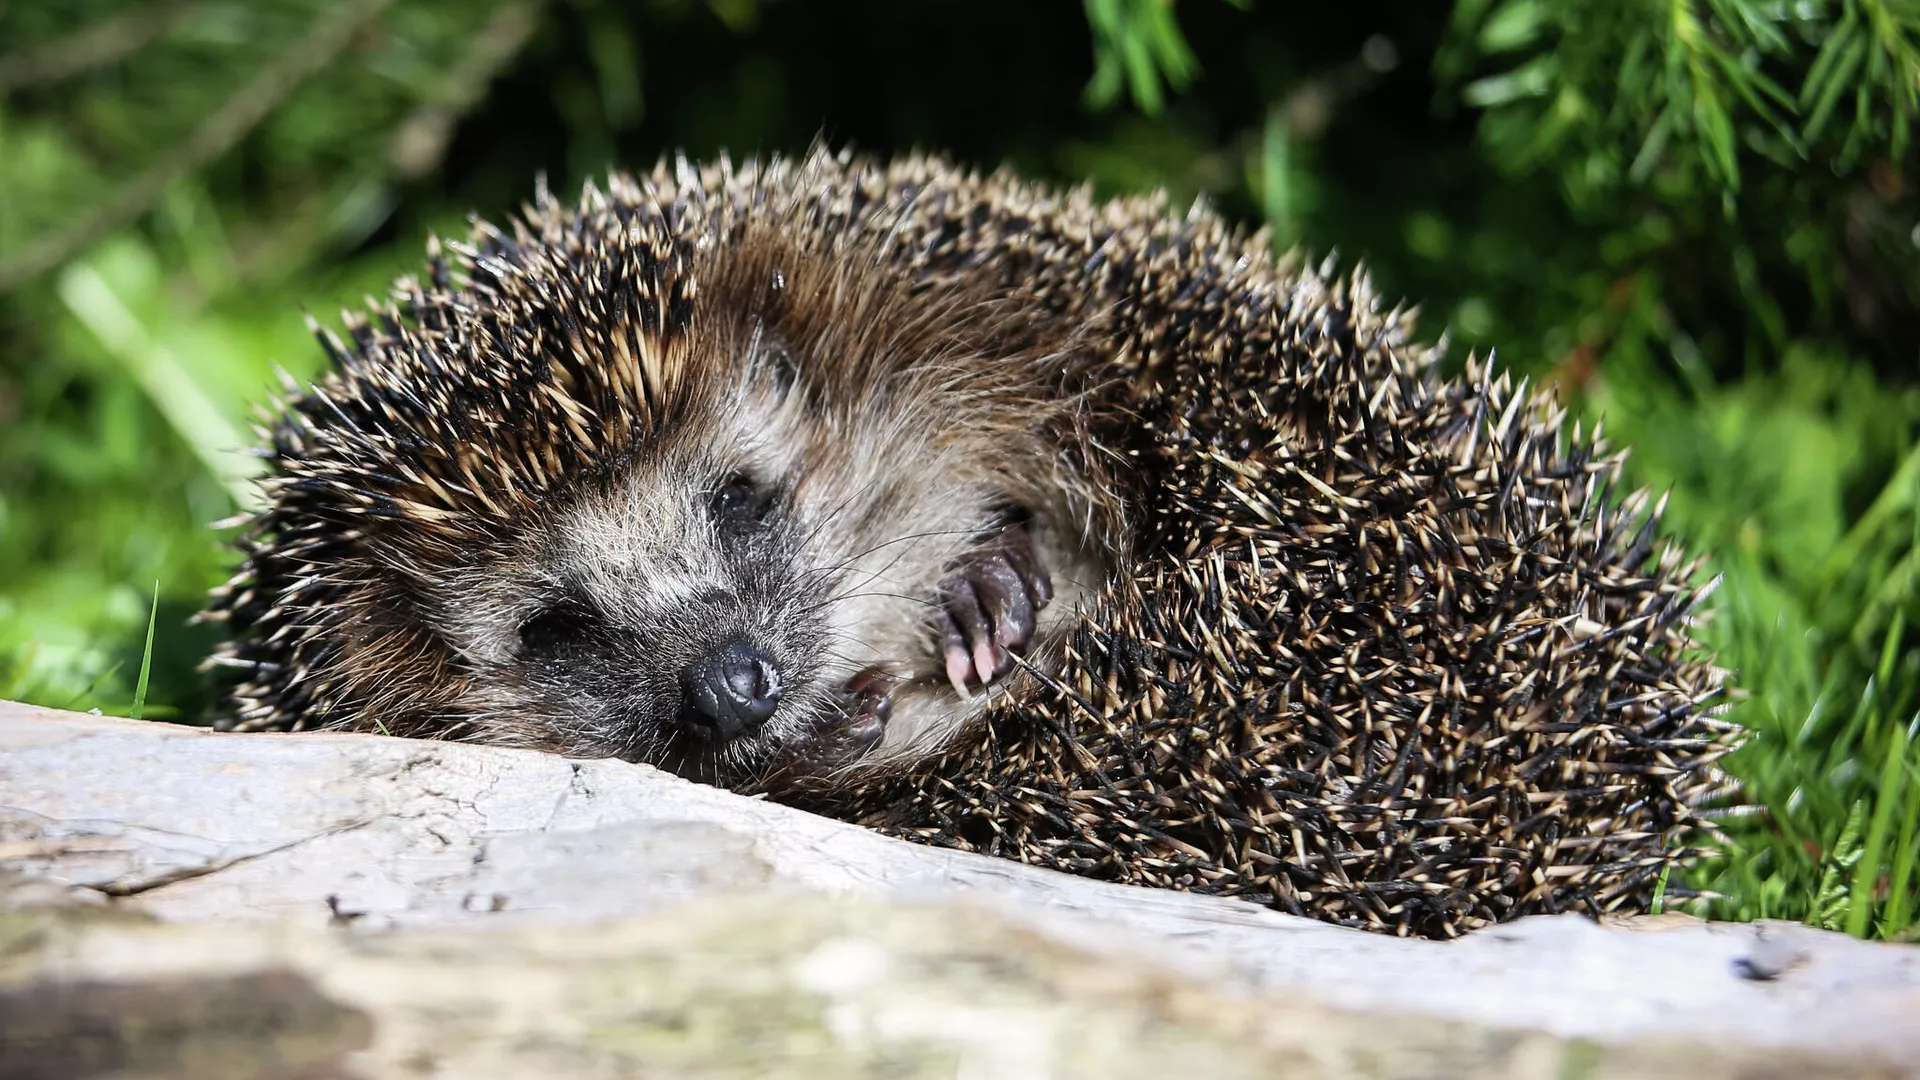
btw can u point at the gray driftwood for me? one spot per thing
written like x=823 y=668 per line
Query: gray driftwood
x=496 y=912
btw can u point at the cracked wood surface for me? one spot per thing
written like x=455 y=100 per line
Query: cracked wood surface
x=315 y=830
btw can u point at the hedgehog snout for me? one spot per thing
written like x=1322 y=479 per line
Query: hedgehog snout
x=729 y=692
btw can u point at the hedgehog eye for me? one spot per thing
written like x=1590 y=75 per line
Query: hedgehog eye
x=557 y=629
x=738 y=504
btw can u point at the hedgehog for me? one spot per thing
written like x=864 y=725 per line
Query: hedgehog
x=988 y=515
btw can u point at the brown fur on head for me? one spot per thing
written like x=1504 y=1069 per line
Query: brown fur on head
x=638 y=431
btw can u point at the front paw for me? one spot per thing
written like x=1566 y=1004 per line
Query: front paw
x=990 y=607
x=868 y=704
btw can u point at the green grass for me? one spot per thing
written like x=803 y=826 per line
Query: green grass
x=1773 y=477
x=146 y=658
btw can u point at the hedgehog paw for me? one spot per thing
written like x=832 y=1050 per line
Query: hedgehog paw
x=990 y=608
x=869 y=705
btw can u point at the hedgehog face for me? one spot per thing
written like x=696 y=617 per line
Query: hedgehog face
x=743 y=494
x=765 y=583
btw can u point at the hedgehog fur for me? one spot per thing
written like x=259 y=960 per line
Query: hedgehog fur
x=1345 y=637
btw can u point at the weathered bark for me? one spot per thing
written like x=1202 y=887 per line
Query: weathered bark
x=482 y=912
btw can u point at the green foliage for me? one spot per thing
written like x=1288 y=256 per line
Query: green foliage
x=300 y=82
x=1138 y=44
x=1869 y=60
x=1666 y=88
x=1674 y=128
x=1686 y=94
x=116 y=461
x=1805 y=616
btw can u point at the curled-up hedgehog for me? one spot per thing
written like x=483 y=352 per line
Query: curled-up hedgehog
x=1077 y=532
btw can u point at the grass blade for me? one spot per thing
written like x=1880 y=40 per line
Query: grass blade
x=77 y=701
x=1867 y=873
x=146 y=654
x=1834 y=898
x=1906 y=853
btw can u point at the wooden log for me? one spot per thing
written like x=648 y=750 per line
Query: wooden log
x=471 y=854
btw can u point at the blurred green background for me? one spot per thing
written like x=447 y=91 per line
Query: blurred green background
x=1694 y=218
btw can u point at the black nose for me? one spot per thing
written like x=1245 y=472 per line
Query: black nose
x=729 y=692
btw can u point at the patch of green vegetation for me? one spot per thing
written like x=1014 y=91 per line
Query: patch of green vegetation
x=1808 y=614
x=119 y=460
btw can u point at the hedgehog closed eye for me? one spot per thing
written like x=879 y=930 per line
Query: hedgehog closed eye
x=738 y=504
x=556 y=630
